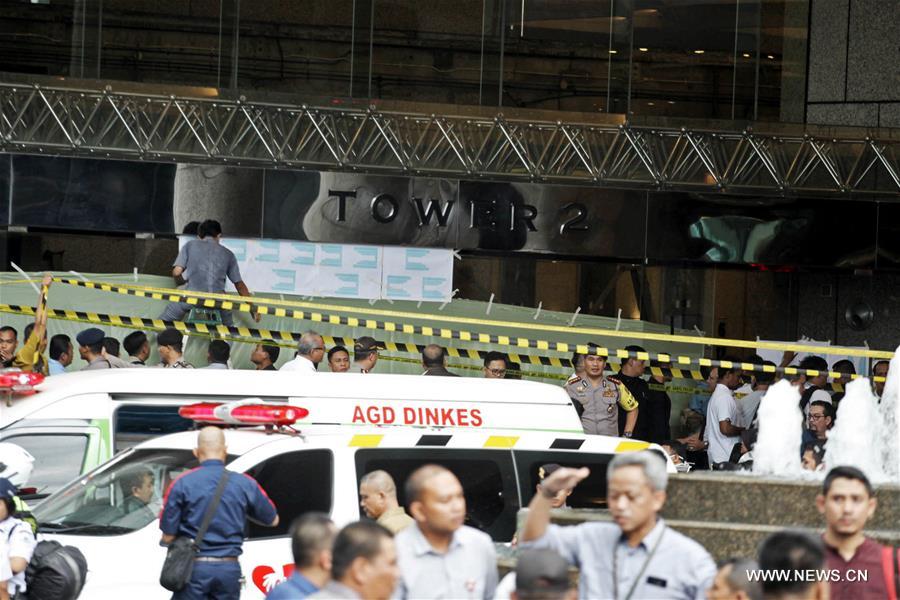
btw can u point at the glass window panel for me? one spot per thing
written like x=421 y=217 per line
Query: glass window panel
x=57 y=458
x=306 y=465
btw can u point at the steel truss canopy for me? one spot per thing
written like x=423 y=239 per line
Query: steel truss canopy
x=156 y=127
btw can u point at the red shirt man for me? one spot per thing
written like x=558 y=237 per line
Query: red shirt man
x=847 y=503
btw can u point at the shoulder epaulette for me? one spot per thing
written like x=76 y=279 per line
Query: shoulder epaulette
x=573 y=379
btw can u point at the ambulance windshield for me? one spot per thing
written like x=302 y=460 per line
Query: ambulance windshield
x=122 y=496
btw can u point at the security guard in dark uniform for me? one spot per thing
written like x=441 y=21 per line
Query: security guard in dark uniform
x=216 y=573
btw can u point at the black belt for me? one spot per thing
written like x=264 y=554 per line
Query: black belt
x=216 y=558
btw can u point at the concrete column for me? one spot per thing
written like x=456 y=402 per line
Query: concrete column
x=230 y=195
x=794 y=62
x=853 y=63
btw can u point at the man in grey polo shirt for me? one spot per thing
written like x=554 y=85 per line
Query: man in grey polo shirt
x=440 y=557
x=636 y=557
x=204 y=264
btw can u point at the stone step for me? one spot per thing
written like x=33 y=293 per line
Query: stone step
x=749 y=499
x=722 y=540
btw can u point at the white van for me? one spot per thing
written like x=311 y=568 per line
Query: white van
x=494 y=435
x=79 y=420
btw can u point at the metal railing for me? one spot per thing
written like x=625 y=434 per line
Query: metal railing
x=156 y=127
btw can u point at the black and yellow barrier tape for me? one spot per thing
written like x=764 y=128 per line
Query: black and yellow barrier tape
x=279 y=308
x=286 y=338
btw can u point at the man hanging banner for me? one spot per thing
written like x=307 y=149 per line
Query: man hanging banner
x=342 y=270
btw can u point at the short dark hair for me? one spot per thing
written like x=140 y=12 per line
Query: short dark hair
x=192 y=228
x=576 y=358
x=10 y=506
x=219 y=351
x=790 y=551
x=828 y=407
x=59 y=345
x=816 y=448
x=632 y=348
x=170 y=337
x=679 y=448
x=111 y=345
x=844 y=366
x=739 y=575
x=875 y=366
x=335 y=349
x=707 y=371
x=494 y=355
x=765 y=377
x=8 y=328
x=135 y=479
x=209 y=227
x=433 y=355
x=273 y=352
x=361 y=539
x=846 y=472
x=311 y=534
x=28 y=329
x=134 y=341
x=814 y=362
x=736 y=365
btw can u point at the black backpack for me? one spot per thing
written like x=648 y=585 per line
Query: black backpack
x=55 y=572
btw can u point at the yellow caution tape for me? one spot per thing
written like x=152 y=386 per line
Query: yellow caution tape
x=265 y=306
x=289 y=339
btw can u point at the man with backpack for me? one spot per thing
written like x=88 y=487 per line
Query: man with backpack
x=847 y=503
x=17 y=537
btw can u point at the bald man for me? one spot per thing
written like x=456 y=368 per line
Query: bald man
x=378 y=499
x=439 y=556
x=216 y=570
x=434 y=359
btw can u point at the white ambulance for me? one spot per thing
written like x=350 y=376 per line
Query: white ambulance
x=307 y=440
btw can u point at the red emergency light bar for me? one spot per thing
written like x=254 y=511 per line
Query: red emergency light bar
x=19 y=382
x=243 y=414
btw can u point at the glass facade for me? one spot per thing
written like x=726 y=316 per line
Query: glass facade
x=711 y=59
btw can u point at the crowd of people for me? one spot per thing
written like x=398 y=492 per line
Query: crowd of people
x=425 y=549
x=719 y=427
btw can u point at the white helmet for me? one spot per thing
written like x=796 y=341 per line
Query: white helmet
x=16 y=464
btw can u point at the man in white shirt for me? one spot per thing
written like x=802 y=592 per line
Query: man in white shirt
x=723 y=419
x=310 y=352
x=439 y=556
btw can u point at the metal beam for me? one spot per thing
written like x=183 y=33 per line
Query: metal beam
x=155 y=127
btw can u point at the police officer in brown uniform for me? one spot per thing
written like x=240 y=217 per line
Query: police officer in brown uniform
x=365 y=354
x=598 y=399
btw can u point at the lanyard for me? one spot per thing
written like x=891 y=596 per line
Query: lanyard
x=640 y=574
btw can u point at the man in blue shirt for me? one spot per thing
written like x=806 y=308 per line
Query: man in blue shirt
x=216 y=571
x=203 y=265
x=60 y=350
x=312 y=536
x=636 y=556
